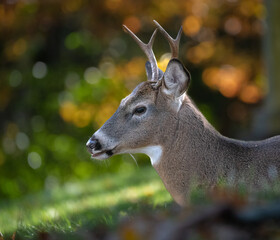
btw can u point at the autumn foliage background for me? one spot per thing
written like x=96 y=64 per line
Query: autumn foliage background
x=65 y=66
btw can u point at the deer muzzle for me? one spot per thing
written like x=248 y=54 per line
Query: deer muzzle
x=96 y=149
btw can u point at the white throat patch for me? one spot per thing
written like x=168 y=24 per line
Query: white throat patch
x=154 y=152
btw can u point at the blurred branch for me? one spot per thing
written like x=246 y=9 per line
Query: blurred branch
x=267 y=120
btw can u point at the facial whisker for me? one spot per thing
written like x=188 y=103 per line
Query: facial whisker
x=106 y=163
x=134 y=159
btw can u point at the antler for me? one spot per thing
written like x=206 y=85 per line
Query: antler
x=173 y=43
x=148 y=50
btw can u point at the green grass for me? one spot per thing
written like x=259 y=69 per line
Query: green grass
x=77 y=205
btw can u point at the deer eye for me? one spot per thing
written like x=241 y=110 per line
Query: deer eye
x=140 y=110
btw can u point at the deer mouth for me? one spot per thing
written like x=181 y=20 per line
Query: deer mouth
x=102 y=154
x=108 y=152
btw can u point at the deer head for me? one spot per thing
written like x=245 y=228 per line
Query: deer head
x=139 y=124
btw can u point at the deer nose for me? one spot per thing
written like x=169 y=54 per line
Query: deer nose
x=93 y=144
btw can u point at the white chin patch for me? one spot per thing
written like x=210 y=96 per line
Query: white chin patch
x=101 y=156
x=154 y=152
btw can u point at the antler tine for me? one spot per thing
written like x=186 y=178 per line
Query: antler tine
x=173 y=43
x=148 y=50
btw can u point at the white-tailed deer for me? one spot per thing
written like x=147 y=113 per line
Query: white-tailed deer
x=159 y=119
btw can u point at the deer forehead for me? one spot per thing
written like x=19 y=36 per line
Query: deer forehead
x=142 y=94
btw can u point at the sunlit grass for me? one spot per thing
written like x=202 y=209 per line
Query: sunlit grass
x=81 y=205
x=77 y=204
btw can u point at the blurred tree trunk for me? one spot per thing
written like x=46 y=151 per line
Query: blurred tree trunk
x=267 y=121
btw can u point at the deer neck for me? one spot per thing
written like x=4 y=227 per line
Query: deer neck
x=185 y=145
x=186 y=137
x=193 y=152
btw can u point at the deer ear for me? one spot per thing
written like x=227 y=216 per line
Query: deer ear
x=176 y=78
x=149 y=71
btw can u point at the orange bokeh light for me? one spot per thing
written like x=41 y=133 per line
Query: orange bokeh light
x=105 y=111
x=191 y=25
x=80 y=116
x=163 y=62
x=250 y=94
x=67 y=111
x=233 y=26
x=229 y=87
x=227 y=79
x=133 y=23
x=201 y=52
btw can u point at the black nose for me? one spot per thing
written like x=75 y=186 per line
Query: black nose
x=94 y=144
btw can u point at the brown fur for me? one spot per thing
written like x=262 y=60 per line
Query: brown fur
x=195 y=151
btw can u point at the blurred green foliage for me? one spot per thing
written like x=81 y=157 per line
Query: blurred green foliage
x=66 y=64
